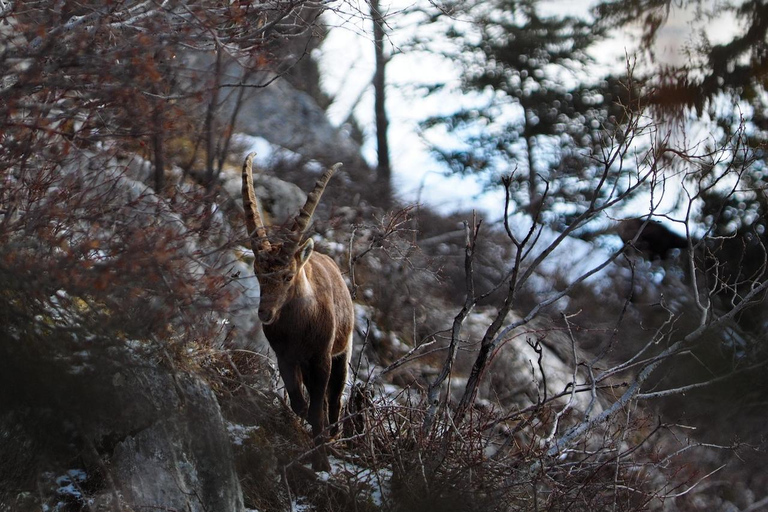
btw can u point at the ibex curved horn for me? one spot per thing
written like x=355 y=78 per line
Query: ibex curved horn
x=301 y=223
x=255 y=226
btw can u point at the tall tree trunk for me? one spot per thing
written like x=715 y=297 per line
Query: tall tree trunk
x=383 y=168
x=534 y=201
x=210 y=135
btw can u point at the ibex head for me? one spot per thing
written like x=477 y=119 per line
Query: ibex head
x=278 y=263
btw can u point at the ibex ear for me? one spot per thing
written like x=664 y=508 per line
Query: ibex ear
x=304 y=252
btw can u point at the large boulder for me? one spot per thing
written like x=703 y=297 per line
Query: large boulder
x=182 y=460
x=293 y=120
x=272 y=108
x=106 y=424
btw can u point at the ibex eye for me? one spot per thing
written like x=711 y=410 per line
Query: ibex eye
x=287 y=278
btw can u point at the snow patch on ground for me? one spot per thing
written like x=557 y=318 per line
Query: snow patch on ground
x=238 y=434
x=373 y=485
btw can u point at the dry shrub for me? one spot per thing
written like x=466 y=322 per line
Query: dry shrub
x=491 y=461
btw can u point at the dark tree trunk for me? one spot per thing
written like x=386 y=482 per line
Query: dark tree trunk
x=383 y=168
x=534 y=201
x=210 y=119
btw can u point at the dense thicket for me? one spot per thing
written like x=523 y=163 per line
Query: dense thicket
x=511 y=364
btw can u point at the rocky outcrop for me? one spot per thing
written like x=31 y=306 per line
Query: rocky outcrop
x=183 y=459
x=269 y=107
x=109 y=424
x=291 y=119
x=534 y=361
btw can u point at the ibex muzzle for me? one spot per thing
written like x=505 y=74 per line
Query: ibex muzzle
x=306 y=311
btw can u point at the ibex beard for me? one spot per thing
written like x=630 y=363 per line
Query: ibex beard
x=306 y=312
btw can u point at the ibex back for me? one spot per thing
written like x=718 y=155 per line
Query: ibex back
x=306 y=311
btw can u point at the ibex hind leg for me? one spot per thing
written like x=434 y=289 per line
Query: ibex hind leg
x=336 y=385
x=292 y=378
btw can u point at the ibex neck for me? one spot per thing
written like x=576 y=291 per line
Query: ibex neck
x=302 y=285
x=299 y=310
x=302 y=300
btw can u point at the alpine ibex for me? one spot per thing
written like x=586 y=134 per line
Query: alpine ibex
x=306 y=311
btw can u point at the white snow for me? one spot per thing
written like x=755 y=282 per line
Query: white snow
x=239 y=433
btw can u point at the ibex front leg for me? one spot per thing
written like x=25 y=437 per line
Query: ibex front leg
x=317 y=375
x=292 y=378
x=336 y=386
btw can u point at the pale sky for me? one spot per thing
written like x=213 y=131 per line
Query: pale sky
x=346 y=60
